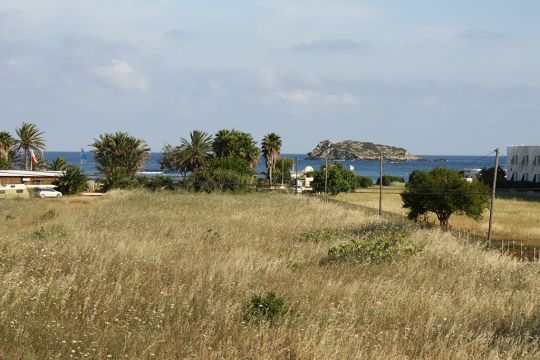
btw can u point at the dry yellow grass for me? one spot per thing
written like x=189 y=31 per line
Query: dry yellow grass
x=142 y=276
x=514 y=220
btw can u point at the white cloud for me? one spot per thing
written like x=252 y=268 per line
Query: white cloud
x=268 y=78
x=306 y=97
x=123 y=76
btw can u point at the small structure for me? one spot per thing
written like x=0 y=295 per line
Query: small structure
x=14 y=191
x=28 y=177
x=471 y=174
x=523 y=163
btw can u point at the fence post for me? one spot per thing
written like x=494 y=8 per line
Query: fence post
x=521 y=252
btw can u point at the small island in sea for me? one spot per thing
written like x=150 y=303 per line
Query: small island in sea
x=357 y=150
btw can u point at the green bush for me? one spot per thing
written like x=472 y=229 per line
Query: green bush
x=364 y=181
x=265 y=308
x=374 y=244
x=324 y=234
x=389 y=179
x=218 y=180
x=157 y=183
x=339 y=180
x=72 y=181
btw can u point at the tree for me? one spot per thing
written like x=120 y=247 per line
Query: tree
x=236 y=144
x=271 y=148
x=195 y=152
x=59 y=164
x=72 y=181
x=282 y=170
x=30 y=138
x=8 y=152
x=444 y=192
x=119 y=156
x=339 y=180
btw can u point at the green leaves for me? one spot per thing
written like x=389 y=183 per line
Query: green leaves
x=444 y=192
x=119 y=155
x=73 y=181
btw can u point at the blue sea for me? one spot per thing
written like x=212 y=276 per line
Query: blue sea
x=362 y=167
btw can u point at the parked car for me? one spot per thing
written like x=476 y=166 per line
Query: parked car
x=45 y=193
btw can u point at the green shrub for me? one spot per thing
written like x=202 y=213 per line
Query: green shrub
x=364 y=182
x=339 y=180
x=265 y=308
x=374 y=244
x=50 y=231
x=218 y=180
x=157 y=183
x=389 y=179
x=72 y=181
x=325 y=234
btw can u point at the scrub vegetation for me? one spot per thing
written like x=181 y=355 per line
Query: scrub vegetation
x=143 y=275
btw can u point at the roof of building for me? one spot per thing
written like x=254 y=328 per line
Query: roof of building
x=29 y=174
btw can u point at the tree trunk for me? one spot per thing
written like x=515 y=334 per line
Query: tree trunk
x=270 y=176
x=26 y=159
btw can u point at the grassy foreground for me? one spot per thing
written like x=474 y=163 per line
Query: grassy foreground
x=140 y=276
x=514 y=220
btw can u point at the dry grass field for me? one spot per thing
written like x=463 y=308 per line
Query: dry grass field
x=136 y=275
x=514 y=220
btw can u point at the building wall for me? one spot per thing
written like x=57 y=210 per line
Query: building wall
x=32 y=180
x=523 y=163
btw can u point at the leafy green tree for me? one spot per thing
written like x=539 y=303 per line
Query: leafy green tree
x=222 y=174
x=283 y=167
x=339 y=180
x=236 y=144
x=59 y=164
x=364 y=182
x=171 y=159
x=72 y=181
x=8 y=152
x=486 y=175
x=195 y=152
x=271 y=148
x=389 y=179
x=444 y=192
x=30 y=138
x=191 y=155
x=119 y=157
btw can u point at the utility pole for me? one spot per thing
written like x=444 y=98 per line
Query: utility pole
x=493 y=196
x=326 y=179
x=380 y=185
x=296 y=176
x=282 y=172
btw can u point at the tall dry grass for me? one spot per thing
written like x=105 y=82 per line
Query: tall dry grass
x=141 y=276
x=514 y=219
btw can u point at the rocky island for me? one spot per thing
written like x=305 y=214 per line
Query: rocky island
x=357 y=150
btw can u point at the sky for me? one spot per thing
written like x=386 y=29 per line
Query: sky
x=436 y=77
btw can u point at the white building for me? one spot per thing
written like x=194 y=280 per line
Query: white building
x=523 y=163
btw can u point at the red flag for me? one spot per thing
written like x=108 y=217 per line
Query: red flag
x=34 y=158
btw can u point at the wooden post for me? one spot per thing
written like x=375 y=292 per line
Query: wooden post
x=326 y=179
x=521 y=252
x=296 y=176
x=490 y=229
x=380 y=184
x=282 y=171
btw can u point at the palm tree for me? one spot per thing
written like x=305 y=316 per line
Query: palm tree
x=271 y=148
x=8 y=153
x=194 y=153
x=30 y=138
x=236 y=144
x=220 y=144
x=119 y=153
x=59 y=164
